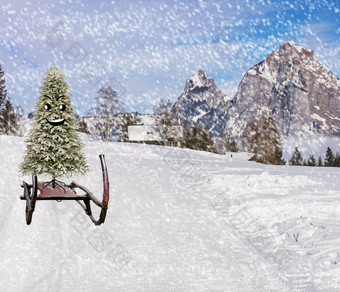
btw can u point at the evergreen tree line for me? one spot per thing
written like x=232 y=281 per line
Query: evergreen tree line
x=9 y=115
x=330 y=160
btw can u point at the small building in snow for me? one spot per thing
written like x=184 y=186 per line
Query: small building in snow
x=146 y=133
x=142 y=133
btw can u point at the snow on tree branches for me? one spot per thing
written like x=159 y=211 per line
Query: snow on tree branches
x=54 y=147
x=8 y=116
x=164 y=119
x=262 y=138
x=329 y=159
x=8 y=119
x=3 y=91
x=106 y=111
x=296 y=158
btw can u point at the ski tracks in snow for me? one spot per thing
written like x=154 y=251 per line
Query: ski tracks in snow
x=247 y=267
x=273 y=267
x=267 y=255
x=176 y=228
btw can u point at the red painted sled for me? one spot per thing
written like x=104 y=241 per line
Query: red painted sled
x=58 y=191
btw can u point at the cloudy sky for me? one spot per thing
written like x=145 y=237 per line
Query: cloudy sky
x=147 y=49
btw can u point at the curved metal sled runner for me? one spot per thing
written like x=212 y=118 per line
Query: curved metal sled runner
x=58 y=191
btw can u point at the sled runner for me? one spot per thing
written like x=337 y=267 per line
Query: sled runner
x=59 y=191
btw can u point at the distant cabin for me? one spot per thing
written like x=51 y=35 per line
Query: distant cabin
x=146 y=134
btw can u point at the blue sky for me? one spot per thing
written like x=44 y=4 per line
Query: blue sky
x=147 y=49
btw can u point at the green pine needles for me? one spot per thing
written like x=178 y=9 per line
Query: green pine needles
x=54 y=147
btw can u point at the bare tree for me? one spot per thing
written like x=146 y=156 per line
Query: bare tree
x=106 y=111
x=164 y=119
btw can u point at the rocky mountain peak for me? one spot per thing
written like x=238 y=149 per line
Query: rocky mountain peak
x=289 y=49
x=303 y=95
x=202 y=102
x=200 y=81
x=286 y=62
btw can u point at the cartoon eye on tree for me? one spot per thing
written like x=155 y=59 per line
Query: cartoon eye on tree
x=54 y=147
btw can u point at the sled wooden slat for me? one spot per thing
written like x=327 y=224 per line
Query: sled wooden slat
x=58 y=191
x=58 y=198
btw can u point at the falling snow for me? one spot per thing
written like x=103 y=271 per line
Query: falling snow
x=133 y=44
x=178 y=219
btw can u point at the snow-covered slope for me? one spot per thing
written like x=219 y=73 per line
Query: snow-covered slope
x=178 y=220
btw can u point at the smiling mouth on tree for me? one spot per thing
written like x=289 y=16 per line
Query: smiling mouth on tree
x=56 y=122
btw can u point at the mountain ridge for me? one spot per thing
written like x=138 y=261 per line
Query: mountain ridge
x=302 y=95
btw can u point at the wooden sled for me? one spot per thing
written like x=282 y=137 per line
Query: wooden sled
x=58 y=191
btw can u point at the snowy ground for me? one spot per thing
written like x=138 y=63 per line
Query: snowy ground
x=179 y=220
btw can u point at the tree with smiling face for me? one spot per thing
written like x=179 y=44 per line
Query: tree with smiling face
x=54 y=147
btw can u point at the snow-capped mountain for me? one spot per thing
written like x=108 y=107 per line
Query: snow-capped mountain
x=303 y=96
x=202 y=102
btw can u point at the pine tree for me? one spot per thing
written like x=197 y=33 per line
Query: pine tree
x=320 y=161
x=207 y=143
x=336 y=162
x=198 y=138
x=232 y=146
x=278 y=156
x=311 y=161
x=3 y=91
x=54 y=147
x=262 y=138
x=296 y=158
x=329 y=159
x=8 y=119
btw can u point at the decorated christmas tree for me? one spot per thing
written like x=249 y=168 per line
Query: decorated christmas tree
x=54 y=147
